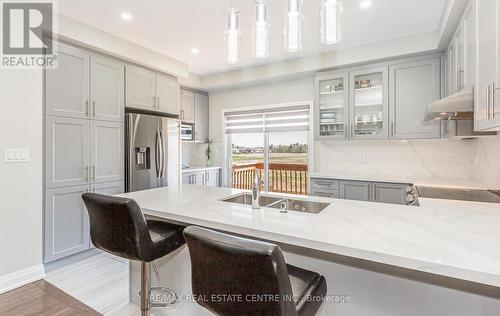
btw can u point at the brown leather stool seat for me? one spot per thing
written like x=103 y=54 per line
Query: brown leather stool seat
x=252 y=273
x=118 y=226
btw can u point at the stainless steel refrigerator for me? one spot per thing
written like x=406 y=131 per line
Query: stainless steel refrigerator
x=153 y=155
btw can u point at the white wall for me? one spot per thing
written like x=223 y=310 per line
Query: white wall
x=442 y=161
x=20 y=183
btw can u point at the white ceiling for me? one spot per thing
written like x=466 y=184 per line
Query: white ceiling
x=174 y=27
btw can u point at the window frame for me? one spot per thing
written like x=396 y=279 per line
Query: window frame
x=227 y=165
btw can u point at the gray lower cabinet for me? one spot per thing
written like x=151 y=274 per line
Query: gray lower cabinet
x=67 y=228
x=66 y=222
x=197 y=178
x=392 y=193
x=326 y=193
x=212 y=178
x=209 y=177
x=67 y=159
x=355 y=190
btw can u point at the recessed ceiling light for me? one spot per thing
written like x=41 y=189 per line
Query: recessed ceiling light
x=195 y=51
x=126 y=16
x=365 y=4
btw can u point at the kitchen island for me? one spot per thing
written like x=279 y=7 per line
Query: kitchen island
x=442 y=258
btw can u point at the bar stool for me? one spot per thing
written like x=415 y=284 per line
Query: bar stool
x=118 y=226
x=238 y=276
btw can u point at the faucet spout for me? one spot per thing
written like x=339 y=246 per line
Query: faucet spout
x=257 y=182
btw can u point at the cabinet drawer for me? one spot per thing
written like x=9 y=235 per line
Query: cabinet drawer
x=325 y=184
x=326 y=193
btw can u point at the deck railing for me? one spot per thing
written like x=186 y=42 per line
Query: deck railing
x=283 y=177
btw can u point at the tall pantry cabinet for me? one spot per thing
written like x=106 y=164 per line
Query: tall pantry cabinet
x=84 y=144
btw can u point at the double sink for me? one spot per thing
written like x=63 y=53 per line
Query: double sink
x=282 y=203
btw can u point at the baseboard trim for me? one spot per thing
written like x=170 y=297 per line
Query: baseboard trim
x=22 y=277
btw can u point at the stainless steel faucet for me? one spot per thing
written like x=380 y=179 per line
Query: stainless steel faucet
x=257 y=181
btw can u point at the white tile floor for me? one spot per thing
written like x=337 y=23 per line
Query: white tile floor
x=99 y=281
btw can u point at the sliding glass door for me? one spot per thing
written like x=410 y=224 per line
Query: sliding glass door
x=272 y=143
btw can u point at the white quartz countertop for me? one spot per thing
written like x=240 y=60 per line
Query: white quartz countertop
x=404 y=180
x=196 y=169
x=450 y=238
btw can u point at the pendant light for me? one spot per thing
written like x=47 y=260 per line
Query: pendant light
x=331 y=21
x=260 y=31
x=233 y=35
x=293 y=26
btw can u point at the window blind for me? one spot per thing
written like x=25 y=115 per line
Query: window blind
x=279 y=119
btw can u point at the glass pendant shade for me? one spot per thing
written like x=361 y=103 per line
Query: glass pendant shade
x=331 y=21
x=260 y=31
x=293 y=26
x=233 y=37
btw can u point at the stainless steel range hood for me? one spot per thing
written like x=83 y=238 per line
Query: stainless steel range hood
x=459 y=106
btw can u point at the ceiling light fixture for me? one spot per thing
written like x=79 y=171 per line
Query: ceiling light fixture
x=232 y=35
x=331 y=21
x=126 y=16
x=293 y=26
x=195 y=51
x=365 y=4
x=260 y=31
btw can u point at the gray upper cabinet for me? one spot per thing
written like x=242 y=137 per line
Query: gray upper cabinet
x=469 y=48
x=140 y=88
x=369 y=103
x=107 y=152
x=167 y=94
x=413 y=86
x=67 y=87
x=460 y=59
x=187 y=106
x=332 y=110
x=67 y=152
x=486 y=92
x=107 y=89
x=390 y=193
x=200 y=118
x=355 y=190
x=66 y=222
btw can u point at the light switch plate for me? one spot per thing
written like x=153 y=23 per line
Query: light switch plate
x=16 y=155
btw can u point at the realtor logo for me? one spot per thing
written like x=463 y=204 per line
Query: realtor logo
x=27 y=34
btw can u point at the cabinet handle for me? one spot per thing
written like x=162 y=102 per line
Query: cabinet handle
x=93 y=173
x=93 y=108
x=86 y=107
x=488 y=114
x=158 y=102
x=86 y=173
x=494 y=89
x=392 y=129
x=352 y=131
x=154 y=102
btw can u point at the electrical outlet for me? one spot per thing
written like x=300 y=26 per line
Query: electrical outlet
x=16 y=155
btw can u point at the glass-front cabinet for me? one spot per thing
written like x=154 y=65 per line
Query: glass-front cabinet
x=332 y=114
x=369 y=103
x=352 y=105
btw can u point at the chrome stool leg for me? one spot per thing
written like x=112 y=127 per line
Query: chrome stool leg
x=145 y=287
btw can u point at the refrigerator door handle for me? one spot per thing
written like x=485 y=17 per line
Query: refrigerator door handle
x=163 y=155
x=157 y=153
x=131 y=153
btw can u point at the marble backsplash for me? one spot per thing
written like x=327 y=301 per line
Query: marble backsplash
x=450 y=161
x=487 y=160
